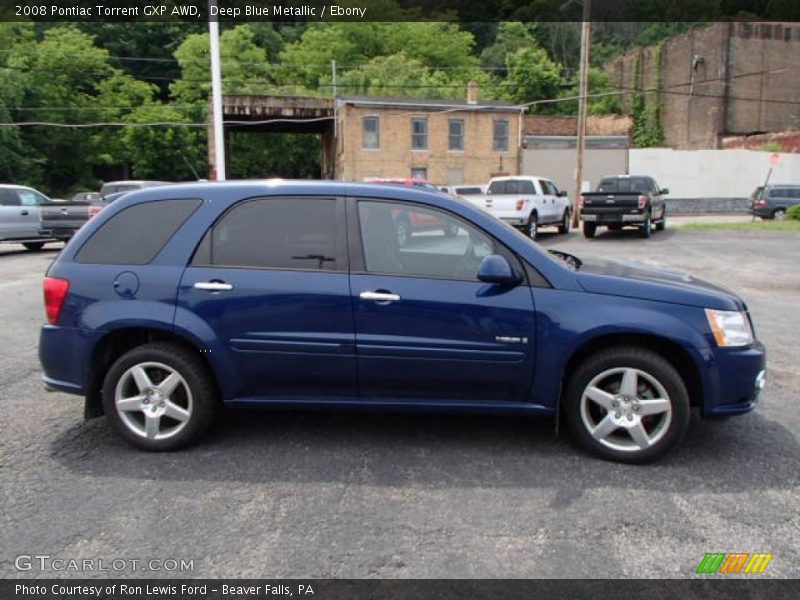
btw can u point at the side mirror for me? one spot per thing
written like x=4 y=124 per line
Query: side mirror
x=665 y=191
x=563 y=193
x=495 y=269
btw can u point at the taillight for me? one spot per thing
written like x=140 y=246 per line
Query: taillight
x=55 y=291
x=642 y=201
x=582 y=201
x=520 y=203
x=760 y=203
x=93 y=210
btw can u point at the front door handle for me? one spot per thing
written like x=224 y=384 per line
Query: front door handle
x=379 y=296
x=24 y=213
x=213 y=286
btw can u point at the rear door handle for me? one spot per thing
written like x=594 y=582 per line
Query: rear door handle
x=213 y=286
x=379 y=296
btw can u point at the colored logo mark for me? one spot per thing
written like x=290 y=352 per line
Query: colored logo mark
x=734 y=563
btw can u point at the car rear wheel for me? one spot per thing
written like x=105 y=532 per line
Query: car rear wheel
x=159 y=397
x=589 y=229
x=779 y=214
x=627 y=404
x=34 y=246
x=532 y=228
x=565 y=223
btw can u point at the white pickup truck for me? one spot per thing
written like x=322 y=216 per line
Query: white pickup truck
x=527 y=203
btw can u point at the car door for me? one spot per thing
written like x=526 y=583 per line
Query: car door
x=30 y=202
x=426 y=328
x=15 y=219
x=270 y=280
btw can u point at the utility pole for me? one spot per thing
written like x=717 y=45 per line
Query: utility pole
x=580 y=145
x=333 y=74
x=216 y=95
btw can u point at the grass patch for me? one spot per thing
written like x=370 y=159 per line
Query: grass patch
x=746 y=226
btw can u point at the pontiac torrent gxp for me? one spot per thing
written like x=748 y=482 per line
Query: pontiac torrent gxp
x=178 y=300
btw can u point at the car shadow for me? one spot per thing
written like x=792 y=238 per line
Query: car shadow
x=437 y=451
x=49 y=250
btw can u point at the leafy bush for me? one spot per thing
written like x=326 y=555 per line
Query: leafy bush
x=793 y=212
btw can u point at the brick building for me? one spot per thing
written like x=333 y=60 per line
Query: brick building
x=728 y=79
x=443 y=141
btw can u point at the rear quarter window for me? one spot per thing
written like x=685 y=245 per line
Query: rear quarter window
x=135 y=235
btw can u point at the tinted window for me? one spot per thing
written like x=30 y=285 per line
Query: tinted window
x=8 y=197
x=512 y=186
x=113 y=188
x=757 y=193
x=403 y=239
x=468 y=191
x=548 y=188
x=784 y=193
x=276 y=233
x=625 y=184
x=136 y=234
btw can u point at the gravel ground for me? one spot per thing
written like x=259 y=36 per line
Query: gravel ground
x=282 y=494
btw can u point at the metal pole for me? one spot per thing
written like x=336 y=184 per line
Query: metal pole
x=216 y=96
x=581 y=137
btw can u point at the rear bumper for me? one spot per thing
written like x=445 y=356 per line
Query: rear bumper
x=739 y=376
x=62 y=353
x=602 y=218
x=515 y=221
x=765 y=212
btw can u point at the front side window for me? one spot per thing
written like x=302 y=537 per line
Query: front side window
x=135 y=235
x=456 y=138
x=274 y=233
x=409 y=240
x=419 y=134
x=370 y=133
x=31 y=198
x=500 y=137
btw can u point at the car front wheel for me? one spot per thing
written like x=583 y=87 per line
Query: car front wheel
x=565 y=223
x=33 y=246
x=647 y=227
x=627 y=405
x=159 y=397
x=532 y=229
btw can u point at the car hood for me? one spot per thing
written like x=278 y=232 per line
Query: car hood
x=649 y=282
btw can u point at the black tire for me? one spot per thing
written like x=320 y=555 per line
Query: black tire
x=646 y=230
x=589 y=229
x=200 y=404
x=663 y=430
x=532 y=227
x=565 y=222
x=662 y=224
x=33 y=246
x=779 y=214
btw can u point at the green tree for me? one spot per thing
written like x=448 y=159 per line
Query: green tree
x=532 y=76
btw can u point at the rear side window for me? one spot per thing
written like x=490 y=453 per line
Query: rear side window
x=275 y=233
x=135 y=235
x=8 y=197
x=512 y=186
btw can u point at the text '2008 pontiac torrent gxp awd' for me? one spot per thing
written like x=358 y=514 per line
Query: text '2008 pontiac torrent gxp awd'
x=178 y=300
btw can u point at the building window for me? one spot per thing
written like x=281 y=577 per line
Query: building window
x=420 y=173
x=370 y=133
x=456 y=139
x=500 y=137
x=419 y=134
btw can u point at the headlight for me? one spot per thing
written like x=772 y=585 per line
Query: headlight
x=730 y=328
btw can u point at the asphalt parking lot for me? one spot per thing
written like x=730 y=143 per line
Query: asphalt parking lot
x=282 y=494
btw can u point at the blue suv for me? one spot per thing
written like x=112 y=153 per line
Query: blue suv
x=178 y=300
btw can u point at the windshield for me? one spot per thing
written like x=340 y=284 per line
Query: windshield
x=756 y=195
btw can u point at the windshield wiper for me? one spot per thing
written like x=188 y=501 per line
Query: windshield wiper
x=573 y=261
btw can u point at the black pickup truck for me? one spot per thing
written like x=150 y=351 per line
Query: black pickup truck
x=622 y=201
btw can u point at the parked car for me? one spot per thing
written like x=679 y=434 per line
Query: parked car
x=528 y=203
x=772 y=201
x=19 y=216
x=174 y=302
x=128 y=185
x=622 y=201
x=62 y=221
x=85 y=197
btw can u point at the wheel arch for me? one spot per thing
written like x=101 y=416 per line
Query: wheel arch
x=671 y=351
x=116 y=343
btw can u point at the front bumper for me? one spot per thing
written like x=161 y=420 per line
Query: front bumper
x=738 y=377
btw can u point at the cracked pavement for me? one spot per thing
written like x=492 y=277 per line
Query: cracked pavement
x=335 y=494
